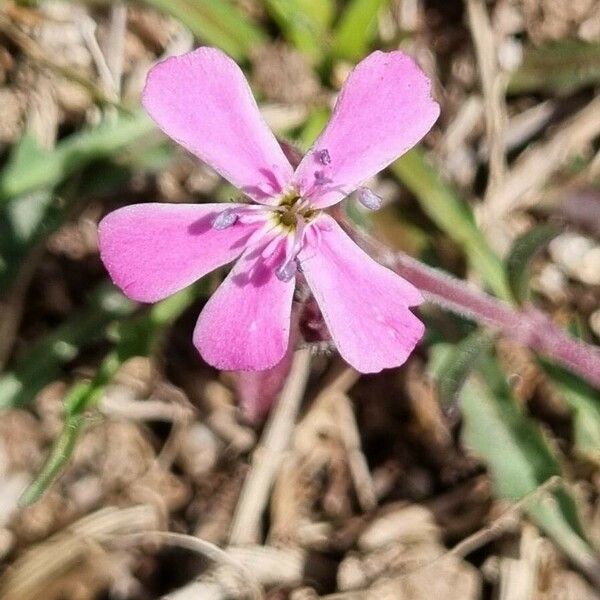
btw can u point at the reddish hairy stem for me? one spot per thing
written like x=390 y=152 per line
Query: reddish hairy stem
x=529 y=326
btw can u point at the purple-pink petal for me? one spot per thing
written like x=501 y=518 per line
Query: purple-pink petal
x=203 y=101
x=154 y=250
x=257 y=390
x=364 y=304
x=384 y=108
x=246 y=323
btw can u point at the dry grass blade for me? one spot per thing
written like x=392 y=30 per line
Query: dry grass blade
x=494 y=88
x=36 y=53
x=204 y=548
x=493 y=85
x=357 y=463
x=268 y=456
x=43 y=564
x=115 y=45
x=537 y=164
x=266 y=565
x=504 y=522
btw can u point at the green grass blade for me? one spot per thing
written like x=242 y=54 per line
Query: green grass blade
x=459 y=363
x=315 y=124
x=138 y=336
x=31 y=169
x=584 y=402
x=321 y=12
x=62 y=450
x=44 y=361
x=356 y=29
x=520 y=460
x=453 y=216
x=215 y=22
x=518 y=262
x=303 y=27
x=558 y=67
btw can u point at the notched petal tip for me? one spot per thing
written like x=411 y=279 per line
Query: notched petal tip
x=364 y=304
x=152 y=250
x=202 y=100
x=384 y=108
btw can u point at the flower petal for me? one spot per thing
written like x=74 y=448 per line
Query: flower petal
x=202 y=100
x=384 y=109
x=153 y=250
x=364 y=304
x=246 y=323
x=258 y=390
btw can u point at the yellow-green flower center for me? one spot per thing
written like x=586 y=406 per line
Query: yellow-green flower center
x=291 y=207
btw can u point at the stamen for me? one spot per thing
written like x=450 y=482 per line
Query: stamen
x=298 y=235
x=293 y=245
x=262 y=235
x=286 y=271
x=324 y=157
x=225 y=219
x=369 y=198
x=271 y=247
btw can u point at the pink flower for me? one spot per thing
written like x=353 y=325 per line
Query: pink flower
x=203 y=101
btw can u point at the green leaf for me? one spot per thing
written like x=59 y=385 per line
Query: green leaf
x=62 y=450
x=28 y=220
x=21 y=224
x=518 y=262
x=453 y=369
x=453 y=216
x=138 y=336
x=313 y=127
x=44 y=361
x=215 y=22
x=519 y=459
x=303 y=26
x=356 y=29
x=584 y=402
x=563 y=67
x=321 y=12
x=31 y=169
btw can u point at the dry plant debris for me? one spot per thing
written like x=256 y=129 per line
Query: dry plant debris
x=355 y=487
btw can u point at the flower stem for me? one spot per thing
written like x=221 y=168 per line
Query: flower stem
x=528 y=326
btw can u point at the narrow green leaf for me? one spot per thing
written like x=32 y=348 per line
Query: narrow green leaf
x=518 y=262
x=30 y=170
x=313 y=127
x=321 y=12
x=584 y=402
x=21 y=225
x=44 y=361
x=215 y=22
x=27 y=220
x=453 y=216
x=303 y=27
x=459 y=363
x=562 y=67
x=62 y=450
x=138 y=336
x=356 y=28
x=519 y=459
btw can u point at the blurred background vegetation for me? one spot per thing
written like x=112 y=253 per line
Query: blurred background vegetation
x=470 y=472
